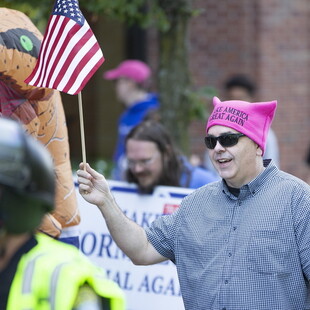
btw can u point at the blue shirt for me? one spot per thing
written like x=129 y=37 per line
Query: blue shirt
x=194 y=176
x=131 y=117
x=250 y=252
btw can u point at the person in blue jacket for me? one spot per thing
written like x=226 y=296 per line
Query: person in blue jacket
x=153 y=160
x=131 y=79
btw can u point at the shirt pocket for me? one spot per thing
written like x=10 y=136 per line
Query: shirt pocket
x=268 y=253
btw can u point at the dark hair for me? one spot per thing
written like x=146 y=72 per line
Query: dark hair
x=154 y=131
x=241 y=80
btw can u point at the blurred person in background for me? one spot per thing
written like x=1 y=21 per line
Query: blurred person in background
x=152 y=159
x=131 y=85
x=36 y=271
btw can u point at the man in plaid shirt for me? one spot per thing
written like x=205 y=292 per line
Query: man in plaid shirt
x=238 y=244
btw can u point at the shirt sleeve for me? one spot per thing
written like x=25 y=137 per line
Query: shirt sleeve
x=301 y=206
x=162 y=234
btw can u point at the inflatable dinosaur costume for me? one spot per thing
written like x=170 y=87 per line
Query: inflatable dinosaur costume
x=40 y=110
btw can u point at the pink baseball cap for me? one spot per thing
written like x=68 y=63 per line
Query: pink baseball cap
x=252 y=119
x=135 y=70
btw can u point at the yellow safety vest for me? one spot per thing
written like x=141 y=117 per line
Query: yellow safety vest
x=49 y=276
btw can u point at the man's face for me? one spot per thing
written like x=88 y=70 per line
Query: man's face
x=124 y=88
x=239 y=93
x=145 y=162
x=238 y=164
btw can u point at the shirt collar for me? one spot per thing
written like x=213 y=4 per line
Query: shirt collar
x=256 y=184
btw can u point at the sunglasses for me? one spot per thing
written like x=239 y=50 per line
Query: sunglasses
x=225 y=140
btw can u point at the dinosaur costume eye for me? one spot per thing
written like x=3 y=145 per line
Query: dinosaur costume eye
x=26 y=43
x=22 y=40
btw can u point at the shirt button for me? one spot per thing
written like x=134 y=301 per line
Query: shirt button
x=229 y=254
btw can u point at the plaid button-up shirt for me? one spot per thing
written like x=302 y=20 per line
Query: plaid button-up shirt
x=250 y=252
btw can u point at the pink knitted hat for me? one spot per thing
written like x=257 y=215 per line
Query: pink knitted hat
x=135 y=70
x=251 y=119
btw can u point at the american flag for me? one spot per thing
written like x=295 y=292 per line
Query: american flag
x=69 y=54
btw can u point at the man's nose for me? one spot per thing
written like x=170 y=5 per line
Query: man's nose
x=218 y=147
x=138 y=167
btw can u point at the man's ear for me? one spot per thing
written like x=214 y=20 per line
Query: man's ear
x=259 y=151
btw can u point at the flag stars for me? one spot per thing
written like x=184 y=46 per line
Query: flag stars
x=69 y=9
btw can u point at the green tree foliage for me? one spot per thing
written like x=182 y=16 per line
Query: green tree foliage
x=142 y=12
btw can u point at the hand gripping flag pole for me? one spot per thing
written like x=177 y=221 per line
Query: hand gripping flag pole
x=69 y=55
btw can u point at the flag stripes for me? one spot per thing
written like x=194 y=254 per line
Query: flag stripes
x=69 y=56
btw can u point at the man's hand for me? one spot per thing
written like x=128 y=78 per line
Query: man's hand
x=93 y=186
x=128 y=235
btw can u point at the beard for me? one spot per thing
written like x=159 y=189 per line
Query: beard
x=144 y=189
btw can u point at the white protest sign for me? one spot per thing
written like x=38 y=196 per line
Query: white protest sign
x=146 y=287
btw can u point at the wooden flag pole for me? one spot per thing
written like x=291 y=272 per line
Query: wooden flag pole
x=82 y=129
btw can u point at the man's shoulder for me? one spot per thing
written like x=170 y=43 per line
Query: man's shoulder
x=285 y=184
x=286 y=179
x=150 y=102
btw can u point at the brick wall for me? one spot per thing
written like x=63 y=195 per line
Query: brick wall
x=269 y=40
x=284 y=65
